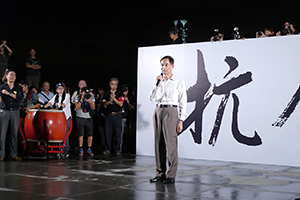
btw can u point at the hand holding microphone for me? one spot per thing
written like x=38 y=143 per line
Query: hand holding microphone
x=159 y=78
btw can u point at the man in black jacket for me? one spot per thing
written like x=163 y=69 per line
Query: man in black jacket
x=10 y=95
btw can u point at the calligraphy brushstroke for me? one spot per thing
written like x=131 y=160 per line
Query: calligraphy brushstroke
x=288 y=110
x=202 y=92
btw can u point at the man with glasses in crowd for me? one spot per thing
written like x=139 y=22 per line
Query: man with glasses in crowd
x=10 y=95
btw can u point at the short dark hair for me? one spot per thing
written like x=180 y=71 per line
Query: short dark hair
x=269 y=28
x=31 y=49
x=171 y=60
x=9 y=70
x=23 y=82
x=33 y=87
x=174 y=30
x=292 y=21
x=45 y=83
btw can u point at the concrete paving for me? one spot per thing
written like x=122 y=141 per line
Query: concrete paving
x=127 y=177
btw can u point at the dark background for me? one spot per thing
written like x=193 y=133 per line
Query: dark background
x=99 y=40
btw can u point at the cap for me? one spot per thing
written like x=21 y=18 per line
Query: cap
x=59 y=84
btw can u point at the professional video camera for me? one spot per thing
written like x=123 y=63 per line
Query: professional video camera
x=236 y=34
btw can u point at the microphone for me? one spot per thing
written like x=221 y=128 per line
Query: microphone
x=158 y=81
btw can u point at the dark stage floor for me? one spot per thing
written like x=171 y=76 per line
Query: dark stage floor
x=127 y=177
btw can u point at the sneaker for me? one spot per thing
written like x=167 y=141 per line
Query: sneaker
x=59 y=155
x=16 y=158
x=106 y=152
x=80 y=152
x=89 y=151
x=66 y=154
x=118 y=153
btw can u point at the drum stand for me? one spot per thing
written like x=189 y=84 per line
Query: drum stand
x=43 y=147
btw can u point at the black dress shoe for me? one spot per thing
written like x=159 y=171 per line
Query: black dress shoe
x=157 y=179
x=169 y=181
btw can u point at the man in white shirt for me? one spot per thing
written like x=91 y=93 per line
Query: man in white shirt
x=169 y=93
x=81 y=84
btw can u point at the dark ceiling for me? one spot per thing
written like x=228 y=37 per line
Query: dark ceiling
x=97 y=41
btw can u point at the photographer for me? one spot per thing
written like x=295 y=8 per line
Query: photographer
x=85 y=108
x=218 y=37
x=289 y=29
x=81 y=84
x=268 y=32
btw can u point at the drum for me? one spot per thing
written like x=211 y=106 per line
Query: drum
x=56 y=125
x=55 y=121
x=28 y=126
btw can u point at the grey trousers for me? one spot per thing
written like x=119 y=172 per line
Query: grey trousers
x=11 y=119
x=165 y=122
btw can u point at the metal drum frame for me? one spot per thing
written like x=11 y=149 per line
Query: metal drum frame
x=45 y=147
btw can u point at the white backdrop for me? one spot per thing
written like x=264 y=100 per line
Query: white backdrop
x=275 y=67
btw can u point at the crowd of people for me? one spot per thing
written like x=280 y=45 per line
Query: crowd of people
x=111 y=113
x=288 y=29
x=107 y=114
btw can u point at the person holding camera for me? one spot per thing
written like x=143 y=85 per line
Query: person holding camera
x=218 y=37
x=85 y=108
x=268 y=32
x=289 y=29
x=81 y=84
x=61 y=101
x=113 y=101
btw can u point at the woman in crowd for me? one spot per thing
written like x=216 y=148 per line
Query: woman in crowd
x=61 y=101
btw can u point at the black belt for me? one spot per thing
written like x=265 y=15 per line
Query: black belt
x=166 y=106
x=114 y=113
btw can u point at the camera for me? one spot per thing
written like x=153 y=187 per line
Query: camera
x=286 y=30
x=216 y=37
x=259 y=33
x=87 y=94
x=236 y=34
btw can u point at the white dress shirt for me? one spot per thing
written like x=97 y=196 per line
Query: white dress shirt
x=171 y=92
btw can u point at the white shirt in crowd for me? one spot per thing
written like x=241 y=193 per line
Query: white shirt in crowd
x=67 y=108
